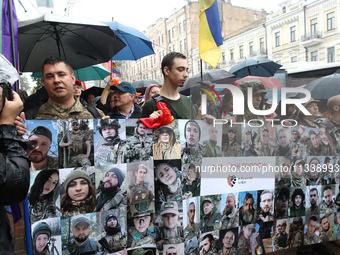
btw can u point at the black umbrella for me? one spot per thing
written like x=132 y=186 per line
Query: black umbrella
x=81 y=42
x=96 y=91
x=219 y=76
x=324 y=87
x=141 y=85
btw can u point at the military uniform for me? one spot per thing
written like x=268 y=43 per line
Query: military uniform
x=211 y=149
x=335 y=123
x=243 y=245
x=232 y=150
x=78 y=207
x=275 y=241
x=229 y=221
x=242 y=222
x=296 y=238
x=294 y=212
x=52 y=110
x=109 y=154
x=170 y=236
x=77 y=149
x=137 y=148
x=297 y=149
x=313 y=210
x=139 y=193
x=51 y=163
x=265 y=150
x=136 y=238
x=119 y=199
x=279 y=151
x=247 y=149
x=231 y=251
x=210 y=222
x=117 y=242
x=191 y=232
x=282 y=241
x=326 y=235
x=191 y=155
x=311 y=239
x=89 y=247
x=165 y=151
x=42 y=209
x=324 y=208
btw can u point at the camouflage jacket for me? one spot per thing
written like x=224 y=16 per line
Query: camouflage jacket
x=326 y=235
x=191 y=155
x=210 y=222
x=107 y=154
x=137 y=148
x=229 y=221
x=117 y=242
x=311 y=240
x=296 y=239
x=165 y=151
x=52 y=110
x=191 y=232
x=118 y=200
x=279 y=151
x=78 y=207
x=136 y=238
x=42 y=209
x=211 y=149
x=231 y=251
x=265 y=150
x=141 y=193
x=324 y=208
x=231 y=150
x=51 y=163
x=313 y=211
x=170 y=236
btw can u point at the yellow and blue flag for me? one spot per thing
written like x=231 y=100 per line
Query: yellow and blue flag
x=210 y=36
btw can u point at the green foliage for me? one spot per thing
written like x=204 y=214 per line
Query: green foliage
x=24 y=84
x=38 y=82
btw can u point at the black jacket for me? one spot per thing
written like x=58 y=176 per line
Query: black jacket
x=14 y=179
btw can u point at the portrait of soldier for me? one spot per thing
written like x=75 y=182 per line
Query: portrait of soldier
x=280 y=239
x=230 y=216
x=313 y=176
x=207 y=244
x=191 y=149
x=231 y=148
x=210 y=147
x=283 y=177
x=284 y=143
x=211 y=219
x=228 y=243
x=298 y=172
x=192 y=246
x=337 y=227
x=171 y=251
x=191 y=181
x=266 y=203
x=314 y=208
x=327 y=227
x=297 y=203
x=264 y=146
x=310 y=237
x=81 y=230
x=109 y=149
x=315 y=147
x=328 y=176
x=138 y=147
x=114 y=237
x=110 y=196
x=295 y=237
x=304 y=140
x=276 y=237
x=192 y=229
x=246 y=240
x=169 y=230
x=328 y=205
x=78 y=145
x=297 y=148
x=140 y=188
x=141 y=229
x=281 y=203
x=248 y=144
x=40 y=143
x=247 y=212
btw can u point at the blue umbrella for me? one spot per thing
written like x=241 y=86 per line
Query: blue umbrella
x=138 y=45
x=256 y=67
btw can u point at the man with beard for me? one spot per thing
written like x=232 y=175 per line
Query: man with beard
x=314 y=175
x=191 y=150
x=140 y=189
x=265 y=206
x=41 y=139
x=247 y=211
x=76 y=142
x=81 y=229
x=328 y=206
x=193 y=228
x=281 y=203
x=310 y=237
x=113 y=236
x=110 y=151
x=246 y=246
x=326 y=231
x=139 y=146
x=298 y=199
x=110 y=195
x=228 y=242
x=231 y=148
x=315 y=148
x=211 y=220
x=284 y=148
x=230 y=218
x=284 y=177
x=314 y=208
x=210 y=147
x=207 y=245
x=264 y=148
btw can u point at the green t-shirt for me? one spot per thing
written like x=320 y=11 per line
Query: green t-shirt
x=182 y=106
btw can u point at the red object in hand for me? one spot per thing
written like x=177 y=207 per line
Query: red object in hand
x=162 y=120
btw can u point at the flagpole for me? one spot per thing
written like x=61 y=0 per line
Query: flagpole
x=14 y=55
x=201 y=63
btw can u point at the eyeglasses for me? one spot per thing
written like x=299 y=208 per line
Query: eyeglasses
x=76 y=87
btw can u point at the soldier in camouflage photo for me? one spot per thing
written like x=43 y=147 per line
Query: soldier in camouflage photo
x=328 y=205
x=141 y=229
x=192 y=229
x=246 y=244
x=211 y=219
x=191 y=181
x=327 y=227
x=248 y=144
x=265 y=147
x=167 y=145
x=295 y=237
x=210 y=147
x=207 y=244
x=231 y=148
x=310 y=237
x=139 y=146
x=284 y=143
x=229 y=243
x=313 y=195
x=230 y=216
x=247 y=212
x=283 y=176
x=109 y=149
x=192 y=150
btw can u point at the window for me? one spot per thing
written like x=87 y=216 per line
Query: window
x=241 y=51
x=173 y=48
x=293 y=59
x=331 y=54
x=262 y=51
x=185 y=44
x=223 y=57
x=173 y=32
x=284 y=9
x=293 y=33
x=313 y=26
x=314 y=55
x=169 y=32
x=330 y=21
x=159 y=40
x=180 y=27
x=251 y=48
x=184 y=25
x=162 y=38
x=180 y=46
x=232 y=54
x=277 y=39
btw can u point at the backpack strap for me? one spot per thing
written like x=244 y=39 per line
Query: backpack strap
x=158 y=98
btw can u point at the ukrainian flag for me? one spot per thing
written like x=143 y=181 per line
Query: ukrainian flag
x=210 y=36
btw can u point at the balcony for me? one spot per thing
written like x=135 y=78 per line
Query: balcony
x=311 y=39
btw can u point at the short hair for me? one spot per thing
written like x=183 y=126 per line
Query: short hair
x=326 y=188
x=313 y=218
x=141 y=166
x=192 y=203
x=314 y=189
x=333 y=101
x=171 y=247
x=230 y=232
x=168 y=60
x=210 y=236
x=265 y=192
x=248 y=196
x=323 y=217
x=56 y=60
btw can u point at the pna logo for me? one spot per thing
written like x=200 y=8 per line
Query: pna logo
x=231 y=180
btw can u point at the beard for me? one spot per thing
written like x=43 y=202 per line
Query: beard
x=228 y=210
x=248 y=216
x=81 y=238
x=37 y=158
x=109 y=188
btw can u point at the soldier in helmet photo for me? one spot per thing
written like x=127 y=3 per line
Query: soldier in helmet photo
x=114 y=237
x=141 y=229
x=140 y=190
x=41 y=236
x=192 y=246
x=109 y=148
x=138 y=147
x=248 y=144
